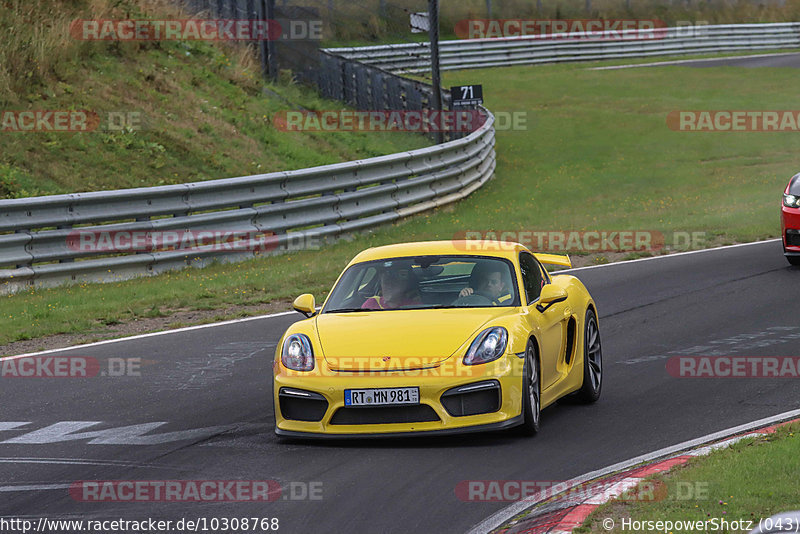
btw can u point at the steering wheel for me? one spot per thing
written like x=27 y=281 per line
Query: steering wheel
x=472 y=300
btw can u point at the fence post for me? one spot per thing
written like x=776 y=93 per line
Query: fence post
x=262 y=45
x=433 y=30
x=272 y=60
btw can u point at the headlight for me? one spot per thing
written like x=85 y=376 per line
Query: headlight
x=297 y=354
x=488 y=346
x=791 y=201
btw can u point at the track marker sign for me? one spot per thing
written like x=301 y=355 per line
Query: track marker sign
x=466 y=95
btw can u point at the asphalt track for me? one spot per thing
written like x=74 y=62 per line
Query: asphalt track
x=213 y=384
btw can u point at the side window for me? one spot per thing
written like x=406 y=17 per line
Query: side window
x=545 y=275
x=531 y=276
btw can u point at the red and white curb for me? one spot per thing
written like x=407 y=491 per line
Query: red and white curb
x=618 y=479
x=575 y=517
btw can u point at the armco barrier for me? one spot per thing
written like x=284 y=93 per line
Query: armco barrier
x=294 y=205
x=322 y=201
x=528 y=50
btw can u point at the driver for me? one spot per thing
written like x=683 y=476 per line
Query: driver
x=397 y=291
x=490 y=284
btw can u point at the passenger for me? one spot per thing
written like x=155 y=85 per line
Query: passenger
x=490 y=284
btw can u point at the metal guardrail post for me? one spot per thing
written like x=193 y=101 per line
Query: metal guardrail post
x=350 y=196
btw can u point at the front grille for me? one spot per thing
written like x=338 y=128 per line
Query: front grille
x=472 y=399
x=792 y=238
x=301 y=405
x=376 y=415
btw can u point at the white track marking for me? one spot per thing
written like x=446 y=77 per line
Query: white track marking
x=151 y=334
x=682 y=61
x=664 y=256
x=34 y=487
x=125 y=435
x=78 y=461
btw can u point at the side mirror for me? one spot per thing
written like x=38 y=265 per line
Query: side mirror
x=305 y=304
x=551 y=294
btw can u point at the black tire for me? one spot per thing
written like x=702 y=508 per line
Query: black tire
x=592 y=360
x=531 y=393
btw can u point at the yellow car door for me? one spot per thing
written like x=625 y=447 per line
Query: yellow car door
x=549 y=323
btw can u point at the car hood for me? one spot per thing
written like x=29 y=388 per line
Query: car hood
x=398 y=339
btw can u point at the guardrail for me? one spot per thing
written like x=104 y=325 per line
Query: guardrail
x=37 y=245
x=37 y=235
x=527 y=50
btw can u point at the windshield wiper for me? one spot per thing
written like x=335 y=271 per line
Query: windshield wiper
x=348 y=310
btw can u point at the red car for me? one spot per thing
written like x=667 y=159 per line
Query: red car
x=790 y=220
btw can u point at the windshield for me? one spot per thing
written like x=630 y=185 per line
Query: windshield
x=425 y=282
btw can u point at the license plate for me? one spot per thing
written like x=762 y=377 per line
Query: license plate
x=381 y=396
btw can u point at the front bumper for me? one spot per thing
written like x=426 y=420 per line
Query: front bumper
x=790 y=230
x=502 y=425
x=492 y=400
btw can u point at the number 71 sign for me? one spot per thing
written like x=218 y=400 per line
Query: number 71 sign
x=466 y=95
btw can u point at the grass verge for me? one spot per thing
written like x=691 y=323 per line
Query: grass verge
x=193 y=110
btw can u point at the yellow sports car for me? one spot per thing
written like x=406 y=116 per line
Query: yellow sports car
x=435 y=338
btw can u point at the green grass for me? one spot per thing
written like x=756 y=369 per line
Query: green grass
x=597 y=155
x=198 y=124
x=751 y=480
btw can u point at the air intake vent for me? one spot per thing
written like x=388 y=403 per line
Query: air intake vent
x=419 y=413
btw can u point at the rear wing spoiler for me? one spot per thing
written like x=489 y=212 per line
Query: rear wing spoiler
x=554 y=259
